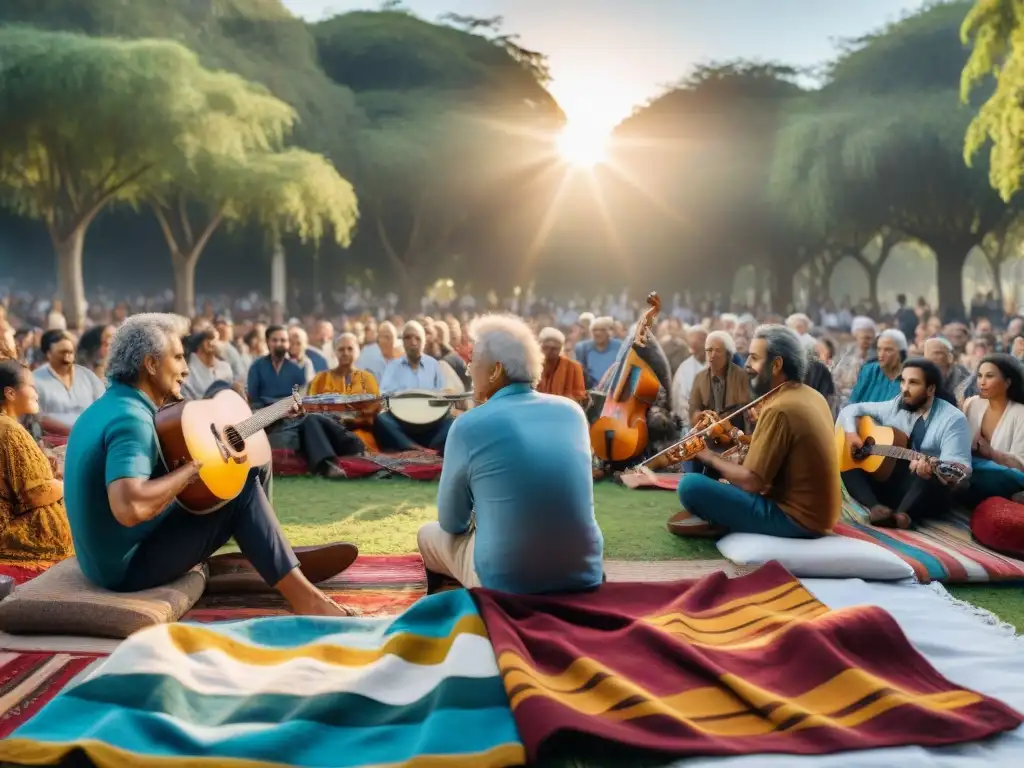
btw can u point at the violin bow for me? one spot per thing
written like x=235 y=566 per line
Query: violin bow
x=708 y=429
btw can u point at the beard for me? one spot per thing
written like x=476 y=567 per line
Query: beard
x=760 y=383
x=278 y=354
x=912 y=405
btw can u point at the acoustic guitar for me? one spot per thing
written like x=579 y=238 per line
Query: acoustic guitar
x=228 y=439
x=883 y=447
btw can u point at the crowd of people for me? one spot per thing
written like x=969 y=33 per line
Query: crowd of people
x=955 y=389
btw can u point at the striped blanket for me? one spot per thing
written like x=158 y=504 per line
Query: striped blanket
x=421 y=689
x=937 y=550
x=722 y=667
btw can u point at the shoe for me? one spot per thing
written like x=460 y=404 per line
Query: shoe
x=332 y=471
x=682 y=523
x=234 y=573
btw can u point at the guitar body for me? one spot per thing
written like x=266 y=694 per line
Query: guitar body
x=195 y=431
x=413 y=408
x=881 y=467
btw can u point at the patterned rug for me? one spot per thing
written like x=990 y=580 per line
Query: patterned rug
x=416 y=465
x=378 y=585
x=29 y=680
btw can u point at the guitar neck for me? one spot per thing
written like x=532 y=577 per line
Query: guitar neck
x=264 y=417
x=895 y=452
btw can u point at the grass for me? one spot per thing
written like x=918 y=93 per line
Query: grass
x=382 y=517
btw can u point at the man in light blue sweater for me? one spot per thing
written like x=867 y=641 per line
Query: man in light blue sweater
x=516 y=497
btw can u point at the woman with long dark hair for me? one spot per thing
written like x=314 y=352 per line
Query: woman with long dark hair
x=996 y=417
x=34 y=526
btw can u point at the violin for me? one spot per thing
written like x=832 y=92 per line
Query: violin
x=620 y=432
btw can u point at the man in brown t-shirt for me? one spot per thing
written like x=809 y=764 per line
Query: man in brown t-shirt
x=789 y=483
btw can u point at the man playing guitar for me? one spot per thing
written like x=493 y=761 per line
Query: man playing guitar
x=935 y=427
x=129 y=532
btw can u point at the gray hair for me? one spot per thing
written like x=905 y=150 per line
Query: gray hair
x=783 y=343
x=140 y=336
x=508 y=340
x=946 y=343
x=387 y=325
x=796 y=319
x=551 y=334
x=442 y=331
x=299 y=331
x=412 y=325
x=724 y=338
x=896 y=337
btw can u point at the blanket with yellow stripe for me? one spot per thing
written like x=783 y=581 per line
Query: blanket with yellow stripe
x=420 y=690
x=722 y=666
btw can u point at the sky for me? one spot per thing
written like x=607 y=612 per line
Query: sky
x=609 y=56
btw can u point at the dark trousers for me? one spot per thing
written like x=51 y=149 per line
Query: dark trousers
x=181 y=540
x=392 y=435
x=322 y=438
x=904 y=491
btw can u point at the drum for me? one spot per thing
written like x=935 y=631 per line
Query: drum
x=414 y=408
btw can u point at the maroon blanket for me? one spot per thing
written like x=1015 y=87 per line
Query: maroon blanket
x=723 y=666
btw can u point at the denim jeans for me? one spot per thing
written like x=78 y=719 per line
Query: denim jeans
x=989 y=479
x=736 y=509
x=390 y=435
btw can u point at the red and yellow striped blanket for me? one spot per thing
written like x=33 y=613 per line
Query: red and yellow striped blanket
x=721 y=666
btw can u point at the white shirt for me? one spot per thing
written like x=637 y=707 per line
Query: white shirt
x=1008 y=436
x=682 y=385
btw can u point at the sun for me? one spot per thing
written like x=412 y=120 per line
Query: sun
x=583 y=145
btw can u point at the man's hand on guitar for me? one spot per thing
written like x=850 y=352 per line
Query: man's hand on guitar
x=854 y=441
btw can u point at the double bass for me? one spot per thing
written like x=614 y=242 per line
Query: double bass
x=619 y=434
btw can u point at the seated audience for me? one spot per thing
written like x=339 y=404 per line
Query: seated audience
x=996 y=419
x=34 y=527
x=65 y=389
x=208 y=372
x=346 y=379
x=853 y=357
x=516 y=498
x=789 y=483
x=374 y=358
x=598 y=353
x=934 y=426
x=560 y=375
x=299 y=351
x=129 y=532
x=879 y=380
x=93 y=347
x=686 y=373
x=454 y=367
x=955 y=376
x=412 y=371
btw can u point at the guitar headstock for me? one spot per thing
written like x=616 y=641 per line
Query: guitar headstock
x=953 y=474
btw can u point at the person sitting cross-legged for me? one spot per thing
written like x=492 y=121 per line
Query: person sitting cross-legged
x=515 y=503
x=129 y=532
x=789 y=483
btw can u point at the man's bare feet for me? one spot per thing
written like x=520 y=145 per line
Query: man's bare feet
x=901 y=520
x=323 y=606
x=881 y=516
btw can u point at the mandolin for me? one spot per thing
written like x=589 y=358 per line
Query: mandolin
x=883 y=447
x=224 y=435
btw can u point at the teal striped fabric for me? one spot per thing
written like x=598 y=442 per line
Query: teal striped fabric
x=422 y=689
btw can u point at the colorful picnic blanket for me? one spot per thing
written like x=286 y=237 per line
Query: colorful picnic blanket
x=421 y=689
x=721 y=667
x=942 y=549
x=416 y=465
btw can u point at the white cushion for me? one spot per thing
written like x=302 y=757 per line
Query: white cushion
x=830 y=557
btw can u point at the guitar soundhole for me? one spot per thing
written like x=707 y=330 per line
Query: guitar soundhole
x=234 y=439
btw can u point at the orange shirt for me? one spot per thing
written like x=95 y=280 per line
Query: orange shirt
x=360 y=383
x=564 y=379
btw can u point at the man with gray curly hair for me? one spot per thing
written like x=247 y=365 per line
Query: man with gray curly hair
x=129 y=532
x=516 y=501
x=789 y=483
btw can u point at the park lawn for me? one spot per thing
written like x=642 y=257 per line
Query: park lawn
x=382 y=517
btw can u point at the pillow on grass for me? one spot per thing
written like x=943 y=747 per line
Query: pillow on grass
x=62 y=601
x=830 y=557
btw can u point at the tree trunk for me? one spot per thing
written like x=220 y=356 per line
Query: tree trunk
x=783 y=274
x=70 y=282
x=950 y=258
x=278 y=285
x=997 y=276
x=185 y=284
x=873 y=275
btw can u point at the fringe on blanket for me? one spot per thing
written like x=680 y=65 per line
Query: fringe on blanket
x=982 y=614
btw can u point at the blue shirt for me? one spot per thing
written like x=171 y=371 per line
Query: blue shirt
x=266 y=386
x=596 y=363
x=873 y=386
x=399 y=376
x=523 y=461
x=319 y=361
x=115 y=438
x=947 y=434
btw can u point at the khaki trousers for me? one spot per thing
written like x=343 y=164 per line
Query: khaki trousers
x=448 y=555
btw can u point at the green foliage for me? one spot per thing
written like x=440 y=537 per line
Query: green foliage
x=995 y=28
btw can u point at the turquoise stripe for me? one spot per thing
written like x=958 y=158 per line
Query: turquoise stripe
x=433 y=616
x=932 y=564
x=164 y=695
x=298 y=743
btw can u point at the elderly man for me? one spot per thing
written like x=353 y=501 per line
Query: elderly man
x=129 y=532
x=598 y=353
x=516 y=500
x=955 y=377
x=686 y=374
x=374 y=358
x=560 y=375
x=322 y=341
x=789 y=483
x=846 y=369
x=413 y=370
x=880 y=379
x=65 y=388
x=723 y=385
x=311 y=361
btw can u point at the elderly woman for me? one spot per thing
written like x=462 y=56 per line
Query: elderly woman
x=34 y=527
x=560 y=375
x=129 y=532
x=346 y=379
x=852 y=358
x=599 y=353
x=996 y=417
x=515 y=504
x=65 y=389
x=723 y=385
x=956 y=379
x=879 y=380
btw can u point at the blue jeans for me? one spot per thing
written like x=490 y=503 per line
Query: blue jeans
x=736 y=509
x=989 y=479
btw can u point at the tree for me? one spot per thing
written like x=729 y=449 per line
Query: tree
x=995 y=29
x=290 y=192
x=87 y=122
